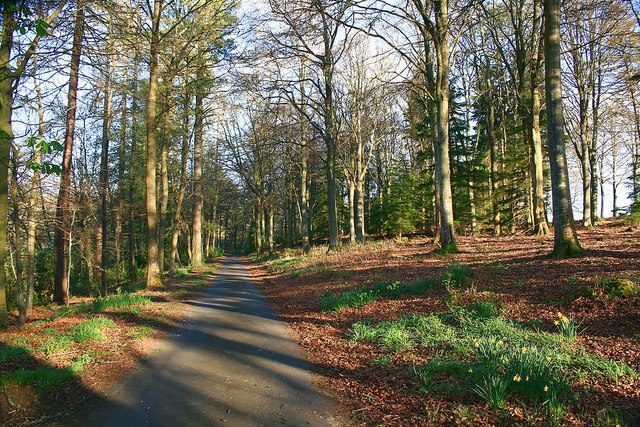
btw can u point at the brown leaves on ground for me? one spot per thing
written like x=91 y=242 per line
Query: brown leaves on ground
x=110 y=359
x=516 y=271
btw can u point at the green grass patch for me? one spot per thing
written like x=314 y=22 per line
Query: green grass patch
x=118 y=301
x=483 y=355
x=296 y=274
x=140 y=332
x=282 y=264
x=79 y=363
x=55 y=344
x=367 y=294
x=14 y=353
x=354 y=298
x=91 y=329
x=181 y=272
x=44 y=378
x=455 y=277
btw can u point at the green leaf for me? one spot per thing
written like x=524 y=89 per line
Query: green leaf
x=56 y=146
x=4 y=135
x=42 y=27
x=31 y=142
x=45 y=147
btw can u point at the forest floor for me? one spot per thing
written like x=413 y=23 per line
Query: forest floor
x=403 y=335
x=65 y=355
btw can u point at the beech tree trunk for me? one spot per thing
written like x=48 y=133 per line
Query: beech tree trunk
x=565 y=237
x=443 y=168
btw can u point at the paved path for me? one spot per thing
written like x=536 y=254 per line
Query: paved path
x=230 y=363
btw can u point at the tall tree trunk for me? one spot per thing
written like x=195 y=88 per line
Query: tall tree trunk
x=104 y=174
x=6 y=140
x=121 y=167
x=614 y=175
x=131 y=220
x=154 y=273
x=352 y=212
x=270 y=230
x=443 y=168
x=565 y=237
x=196 y=245
x=164 y=179
x=360 y=212
x=33 y=200
x=63 y=212
x=177 y=213
x=21 y=297
x=304 y=202
x=329 y=138
x=493 y=152
x=584 y=164
x=304 y=166
x=541 y=226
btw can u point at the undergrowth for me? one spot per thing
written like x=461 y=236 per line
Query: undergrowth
x=453 y=278
x=481 y=354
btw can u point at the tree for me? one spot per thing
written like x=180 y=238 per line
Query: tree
x=565 y=237
x=314 y=30
x=63 y=213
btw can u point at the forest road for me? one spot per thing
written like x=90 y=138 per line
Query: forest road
x=231 y=362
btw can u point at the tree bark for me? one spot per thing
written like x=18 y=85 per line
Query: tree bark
x=63 y=212
x=443 y=168
x=121 y=167
x=154 y=273
x=177 y=213
x=541 y=226
x=565 y=237
x=196 y=244
x=164 y=178
x=104 y=174
x=21 y=297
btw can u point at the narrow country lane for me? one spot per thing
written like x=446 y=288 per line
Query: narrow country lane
x=229 y=363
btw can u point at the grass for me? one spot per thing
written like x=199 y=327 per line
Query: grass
x=55 y=344
x=91 y=329
x=140 y=332
x=181 y=272
x=367 y=294
x=98 y=305
x=8 y=353
x=118 y=301
x=43 y=379
x=482 y=354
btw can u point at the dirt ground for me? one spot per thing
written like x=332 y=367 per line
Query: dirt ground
x=514 y=270
x=110 y=359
